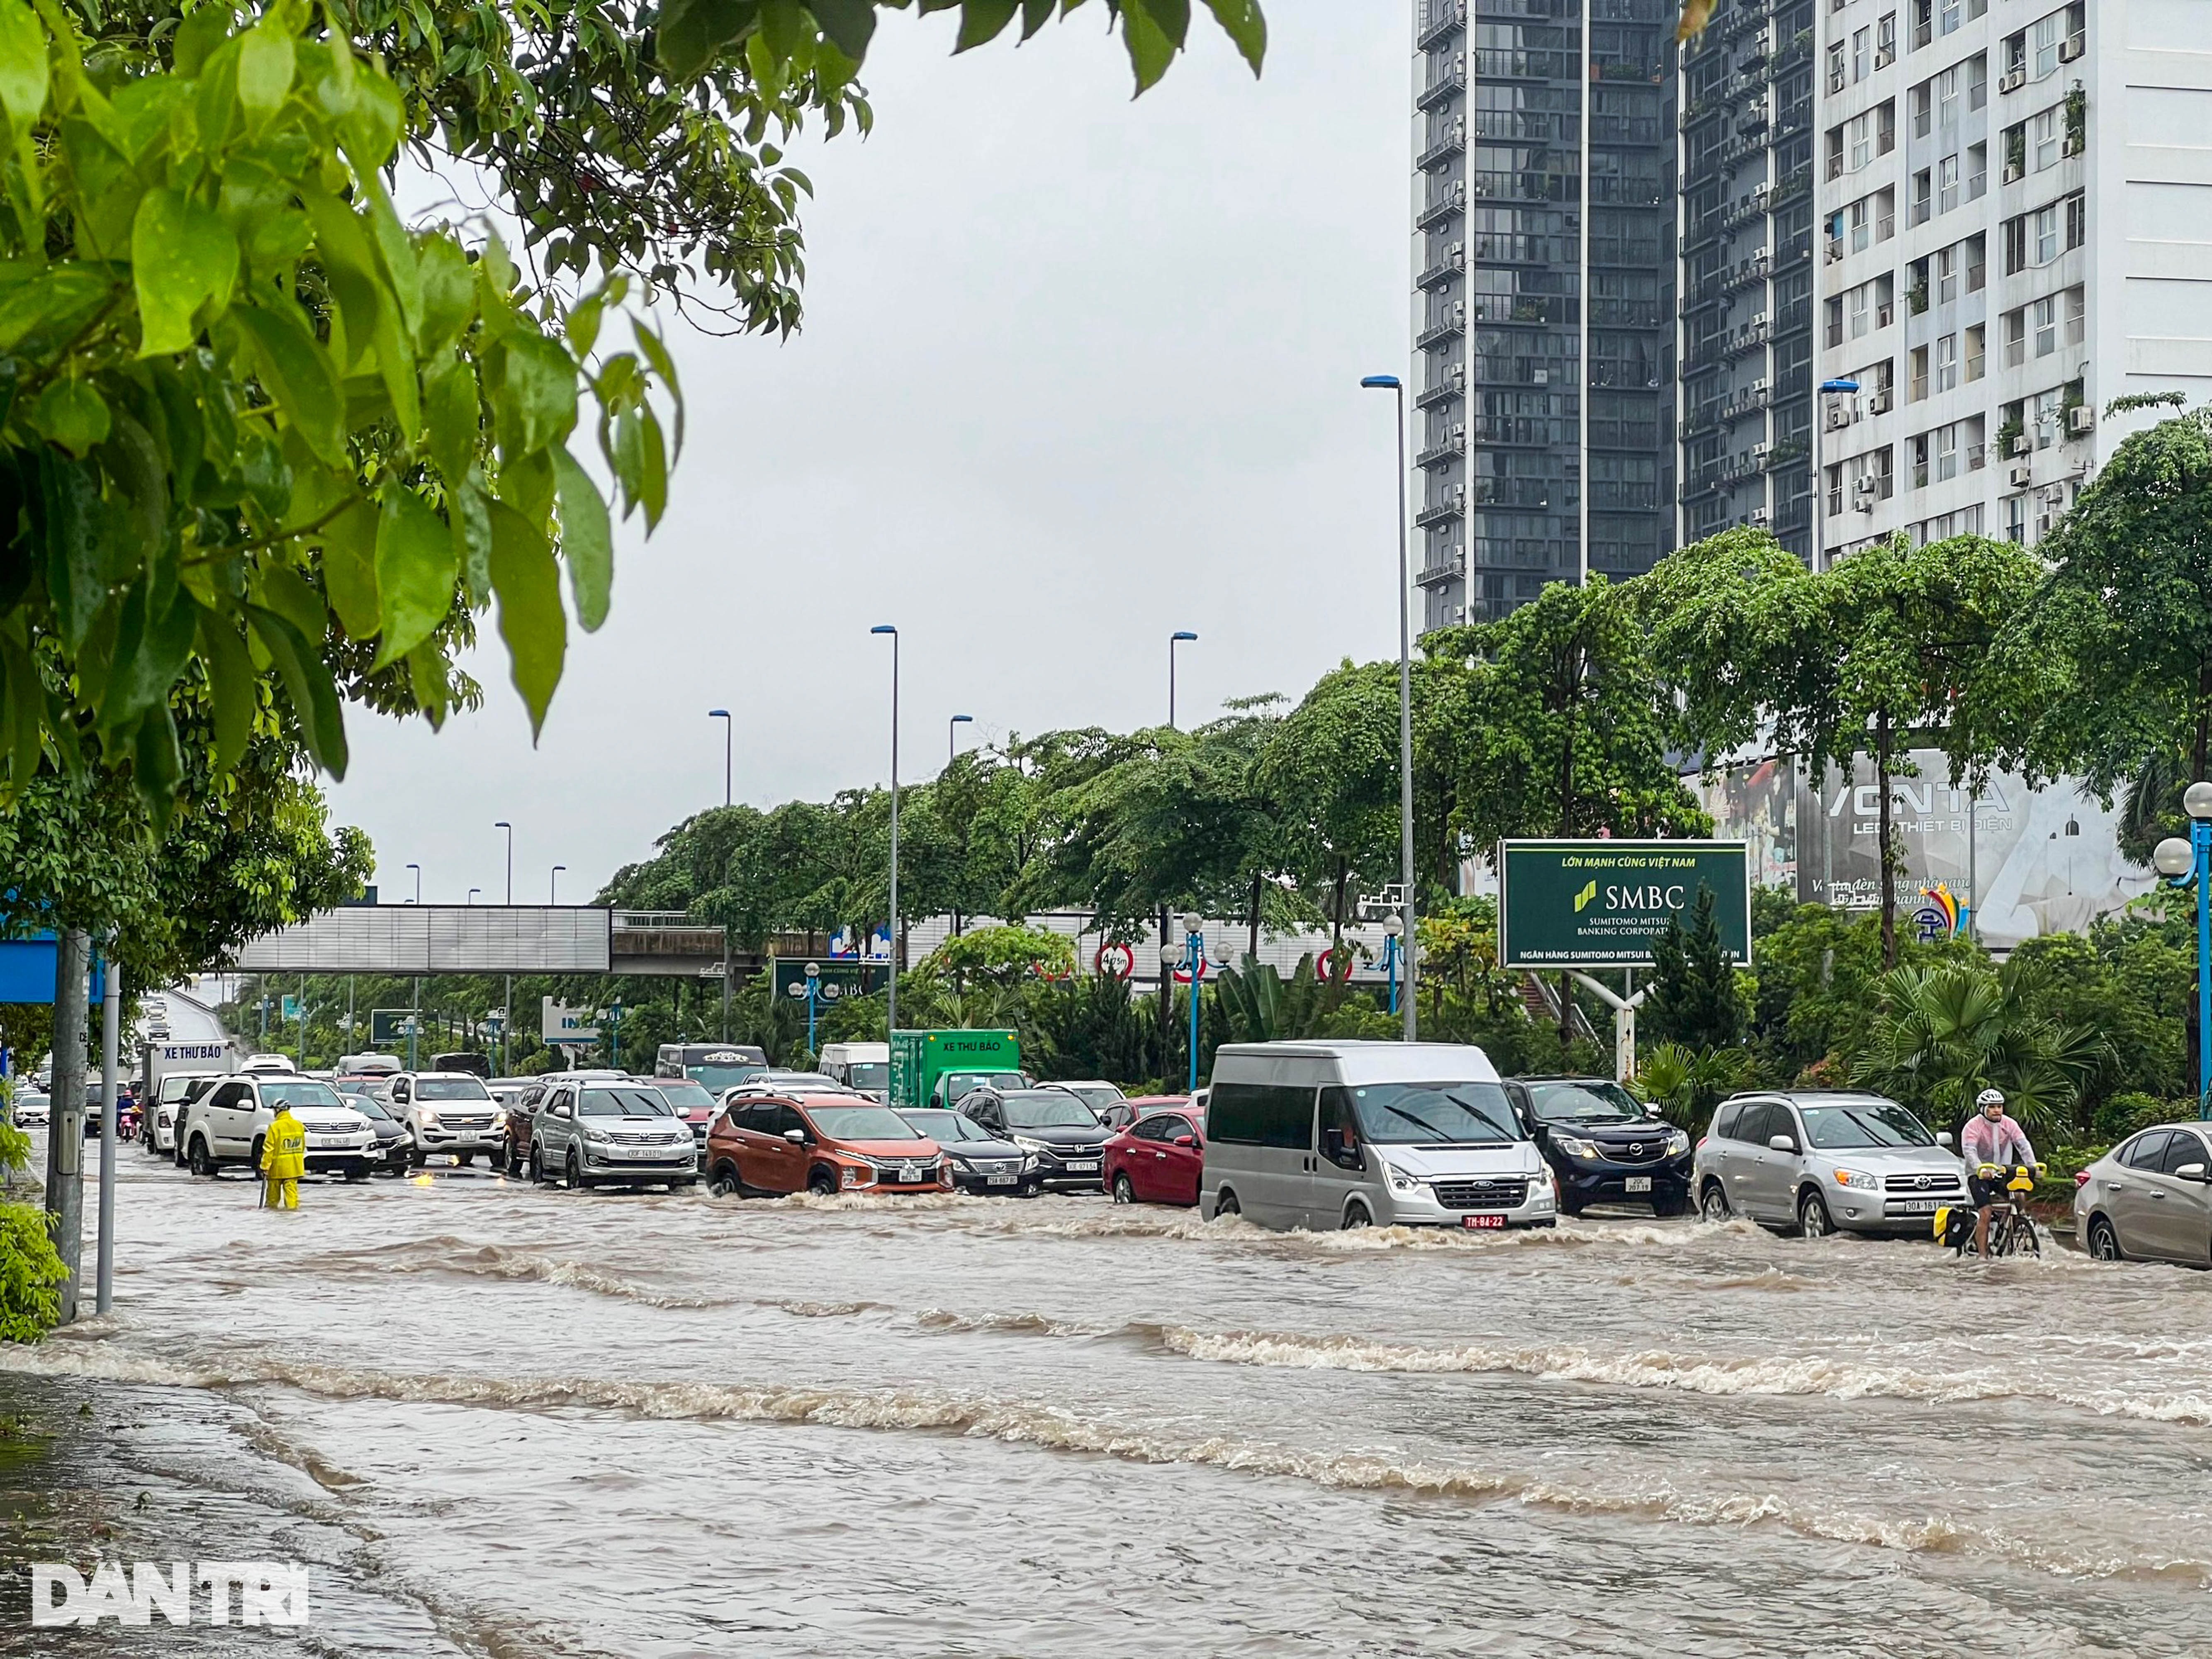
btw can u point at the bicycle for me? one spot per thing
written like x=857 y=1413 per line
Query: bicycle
x=2011 y=1230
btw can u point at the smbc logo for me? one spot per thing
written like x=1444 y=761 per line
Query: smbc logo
x=1582 y=899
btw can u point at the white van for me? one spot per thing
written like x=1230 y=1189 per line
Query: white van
x=1328 y=1134
x=864 y=1067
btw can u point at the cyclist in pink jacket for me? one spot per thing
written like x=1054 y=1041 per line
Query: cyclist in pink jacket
x=1990 y=1140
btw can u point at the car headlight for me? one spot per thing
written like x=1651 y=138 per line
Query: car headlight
x=499 y=1117
x=1678 y=1143
x=1858 y=1180
x=1029 y=1145
x=855 y=1176
x=593 y=1132
x=959 y=1163
x=1576 y=1146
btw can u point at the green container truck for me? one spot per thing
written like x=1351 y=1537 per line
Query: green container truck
x=923 y=1061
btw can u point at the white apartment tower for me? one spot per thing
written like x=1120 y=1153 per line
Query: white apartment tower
x=2014 y=201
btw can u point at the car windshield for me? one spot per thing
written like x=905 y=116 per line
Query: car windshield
x=621 y=1102
x=1583 y=1103
x=861 y=1123
x=958 y=1084
x=716 y=1078
x=1864 y=1123
x=302 y=1093
x=685 y=1096
x=945 y=1126
x=1048 y=1108
x=1435 y=1114
x=869 y=1074
x=450 y=1088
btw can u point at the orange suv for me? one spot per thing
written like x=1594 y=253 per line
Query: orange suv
x=766 y=1146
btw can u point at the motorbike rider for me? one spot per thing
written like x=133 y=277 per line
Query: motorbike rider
x=1990 y=1138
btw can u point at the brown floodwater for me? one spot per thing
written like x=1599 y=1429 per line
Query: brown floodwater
x=506 y=1421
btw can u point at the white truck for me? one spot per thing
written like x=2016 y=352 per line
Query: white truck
x=169 y=1074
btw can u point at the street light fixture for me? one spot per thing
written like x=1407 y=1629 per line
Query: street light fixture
x=1392 y=384
x=891 y=981
x=553 y=884
x=2185 y=862
x=1182 y=636
x=1828 y=389
x=1393 y=933
x=1194 y=953
x=729 y=725
x=473 y=891
x=417 y=869
x=506 y=1003
x=952 y=736
x=504 y=825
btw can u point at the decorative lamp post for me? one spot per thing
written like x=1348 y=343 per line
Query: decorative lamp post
x=1194 y=953
x=1393 y=931
x=2185 y=862
x=813 y=991
x=1392 y=384
x=891 y=975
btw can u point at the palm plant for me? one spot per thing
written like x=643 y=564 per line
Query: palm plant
x=1258 y=1005
x=1685 y=1084
x=1944 y=1034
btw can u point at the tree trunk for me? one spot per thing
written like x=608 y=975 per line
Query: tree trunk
x=1567 y=1010
x=1882 y=841
x=2196 y=754
x=1252 y=951
x=1167 y=1003
x=1336 y=922
x=65 y=1121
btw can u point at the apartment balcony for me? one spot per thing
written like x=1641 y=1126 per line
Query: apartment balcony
x=1442 y=273
x=1453 y=443
x=1524 y=185
x=1791 y=186
x=1755 y=399
x=1453 y=141
x=1444 y=570
x=1448 y=201
x=1441 y=19
x=1446 y=328
x=1441 y=392
x=1444 y=511
x=1745 y=208
x=1746 y=273
x=1447 y=84
x=1511 y=63
x=1741 y=342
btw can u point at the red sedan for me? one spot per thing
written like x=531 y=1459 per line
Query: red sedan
x=1158 y=1160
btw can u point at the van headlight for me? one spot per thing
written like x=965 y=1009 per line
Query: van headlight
x=1858 y=1181
x=1400 y=1181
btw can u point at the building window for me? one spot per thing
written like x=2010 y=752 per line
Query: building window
x=1835 y=66
x=1916 y=365
x=1922 y=110
x=2047 y=228
x=1946 y=453
x=1860 y=309
x=1947 y=276
x=1977 y=171
x=1860 y=231
x=1977 y=263
x=1923 y=195
x=1835 y=322
x=1978 y=81
x=1946 y=183
x=1976 y=362
x=1886 y=40
x=2077 y=219
x=1947 y=97
x=2046 y=319
x=2043 y=43
x=1947 y=363
x=2076 y=316
x=1861 y=54
x=2043 y=134
x=2015 y=338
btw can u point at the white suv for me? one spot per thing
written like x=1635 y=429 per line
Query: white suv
x=226 y=1125
x=449 y=1112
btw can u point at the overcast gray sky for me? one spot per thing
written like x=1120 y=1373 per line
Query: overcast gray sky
x=1076 y=372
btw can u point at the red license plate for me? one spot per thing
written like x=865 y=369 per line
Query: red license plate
x=1482 y=1221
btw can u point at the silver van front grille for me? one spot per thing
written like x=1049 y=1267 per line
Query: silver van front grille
x=1491 y=1195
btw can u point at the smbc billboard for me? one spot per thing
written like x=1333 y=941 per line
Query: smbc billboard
x=1605 y=903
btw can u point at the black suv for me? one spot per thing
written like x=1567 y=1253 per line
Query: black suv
x=1053 y=1125
x=1605 y=1146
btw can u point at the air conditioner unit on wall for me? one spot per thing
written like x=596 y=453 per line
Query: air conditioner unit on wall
x=2013 y=80
x=2080 y=420
x=1879 y=402
x=2022 y=476
x=1840 y=416
x=2071 y=48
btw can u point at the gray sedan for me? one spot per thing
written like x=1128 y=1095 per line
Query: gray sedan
x=1816 y=1162
x=2146 y=1200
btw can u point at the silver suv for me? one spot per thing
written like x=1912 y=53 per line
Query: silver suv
x=447 y=1112
x=622 y=1132
x=1816 y=1162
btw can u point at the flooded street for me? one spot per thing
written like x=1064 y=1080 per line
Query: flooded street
x=515 y=1422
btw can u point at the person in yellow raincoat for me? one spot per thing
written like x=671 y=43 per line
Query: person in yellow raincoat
x=283 y=1161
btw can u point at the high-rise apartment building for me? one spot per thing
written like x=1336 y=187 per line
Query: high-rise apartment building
x=1544 y=366
x=1887 y=259
x=2016 y=197
x=1746 y=272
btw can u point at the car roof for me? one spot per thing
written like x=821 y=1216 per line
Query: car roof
x=471 y=1076
x=1562 y=1077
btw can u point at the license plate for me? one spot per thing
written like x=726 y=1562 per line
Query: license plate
x=1083 y=1168
x=1638 y=1184
x=327 y=1141
x=1001 y=1181
x=908 y=1172
x=1917 y=1206
x=1482 y=1221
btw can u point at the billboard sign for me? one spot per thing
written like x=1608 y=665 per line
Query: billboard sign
x=836 y=980
x=389 y=1027
x=574 y=1026
x=1605 y=903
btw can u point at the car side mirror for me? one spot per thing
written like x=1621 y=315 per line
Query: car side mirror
x=2190 y=1172
x=1943 y=1138
x=796 y=1137
x=1185 y=1140
x=1781 y=1143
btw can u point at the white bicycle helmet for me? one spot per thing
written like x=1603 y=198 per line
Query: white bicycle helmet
x=1987 y=1098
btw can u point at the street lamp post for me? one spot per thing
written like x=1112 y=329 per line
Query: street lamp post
x=506 y=1005
x=553 y=884
x=1392 y=384
x=890 y=979
x=1181 y=637
x=813 y=990
x=1194 y=952
x=1393 y=931
x=2187 y=861
x=1828 y=389
x=729 y=751
x=473 y=891
x=952 y=736
x=417 y=869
